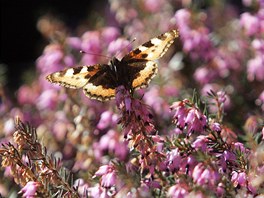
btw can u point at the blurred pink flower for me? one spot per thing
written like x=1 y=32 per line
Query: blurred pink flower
x=239 y=179
x=255 y=68
x=200 y=143
x=119 y=47
x=215 y=127
x=48 y=100
x=74 y=42
x=203 y=175
x=178 y=191
x=27 y=95
x=53 y=59
x=107 y=119
x=153 y=5
x=110 y=34
x=30 y=189
x=108 y=175
x=250 y=23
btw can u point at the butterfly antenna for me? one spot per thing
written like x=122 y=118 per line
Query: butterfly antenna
x=133 y=40
x=83 y=52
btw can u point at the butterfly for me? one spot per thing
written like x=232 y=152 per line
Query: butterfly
x=133 y=71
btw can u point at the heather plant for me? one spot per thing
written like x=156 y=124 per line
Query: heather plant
x=196 y=131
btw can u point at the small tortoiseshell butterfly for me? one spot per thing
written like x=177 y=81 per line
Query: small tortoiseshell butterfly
x=134 y=70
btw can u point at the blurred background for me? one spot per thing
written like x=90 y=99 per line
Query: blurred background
x=21 y=41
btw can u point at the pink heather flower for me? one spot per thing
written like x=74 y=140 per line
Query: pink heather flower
x=178 y=191
x=215 y=127
x=189 y=117
x=110 y=34
x=74 y=42
x=47 y=100
x=204 y=75
x=239 y=179
x=27 y=95
x=119 y=47
x=258 y=44
x=96 y=191
x=204 y=175
x=225 y=158
x=53 y=59
x=255 y=68
x=111 y=142
x=239 y=146
x=81 y=186
x=151 y=183
x=136 y=114
x=107 y=119
x=200 y=143
x=220 y=190
x=250 y=23
x=92 y=44
x=108 y=174
x=182 y=18
x=173 y=159
x=9 y=127
x=153 y=5
x=195 y=41
x=153 y=99
x=30 y=189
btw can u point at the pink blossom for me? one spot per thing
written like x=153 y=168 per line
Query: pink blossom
x=27 y=95
x=108 y=175
x=118 y=47
x=48 y=99
x=204 y=175
x=215 y=127
x=74 y=42
x=178 y=191
x=239 y=178
x=189 y=117
x=204 y=75
x=54 y=59
x=250 y=23
x=110 y=34
x=107 y=119
x=153 y=5
x=255 y=68
x=30 y=189
x=200 y=143
x=96 y=191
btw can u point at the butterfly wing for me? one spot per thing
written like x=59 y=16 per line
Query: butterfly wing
x=97 y=80
x=141 y=63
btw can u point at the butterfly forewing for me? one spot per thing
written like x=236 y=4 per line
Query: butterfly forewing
x=75 y=77
x=153 y=49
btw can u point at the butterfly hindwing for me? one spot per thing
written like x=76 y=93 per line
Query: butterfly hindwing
x=98 y=92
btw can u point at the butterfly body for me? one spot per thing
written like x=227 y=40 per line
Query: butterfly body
x=134 y=70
